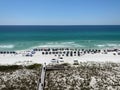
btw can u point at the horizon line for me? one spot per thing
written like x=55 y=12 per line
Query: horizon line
x=60 y=25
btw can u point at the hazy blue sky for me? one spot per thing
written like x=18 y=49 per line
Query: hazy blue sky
x=60 y=12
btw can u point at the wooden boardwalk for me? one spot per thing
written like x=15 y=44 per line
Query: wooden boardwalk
x=42 y=78
x=43 y=72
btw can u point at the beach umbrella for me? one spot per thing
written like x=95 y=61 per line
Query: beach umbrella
x=42 y=52
x=49 y=52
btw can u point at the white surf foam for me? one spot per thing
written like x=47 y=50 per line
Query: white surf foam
x=108 y=45
x=59 y=44
x=6 y=46
x=112 y=45
x=100 y=45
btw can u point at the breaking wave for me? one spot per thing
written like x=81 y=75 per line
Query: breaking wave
x=6 y=46
x=60 y=44
x=108 y=45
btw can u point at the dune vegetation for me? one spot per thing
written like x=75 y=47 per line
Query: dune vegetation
x=85 y=76
x=18 y=77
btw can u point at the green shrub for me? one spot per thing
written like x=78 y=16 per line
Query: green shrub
x=7 y=68
x=10 y=67
x=34 y=66
x=65 y=64
x=75 y=63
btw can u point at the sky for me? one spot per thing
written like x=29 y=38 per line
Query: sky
x=59 y=12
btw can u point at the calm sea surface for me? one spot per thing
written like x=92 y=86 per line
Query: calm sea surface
x=25 y=37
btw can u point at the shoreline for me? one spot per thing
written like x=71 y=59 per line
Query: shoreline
x=58 y=56
x=82 y=44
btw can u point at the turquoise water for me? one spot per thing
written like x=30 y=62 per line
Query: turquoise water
x=25 y=37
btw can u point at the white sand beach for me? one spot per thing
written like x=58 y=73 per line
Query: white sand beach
x=59 y=56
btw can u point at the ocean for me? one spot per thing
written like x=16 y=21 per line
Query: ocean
x=27 y=37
